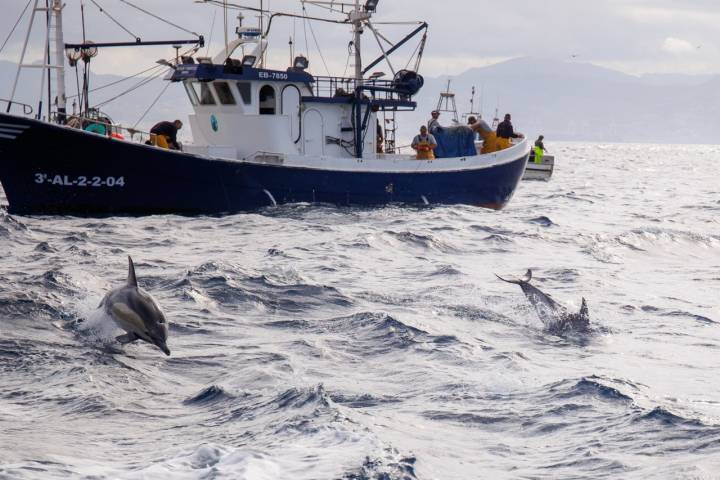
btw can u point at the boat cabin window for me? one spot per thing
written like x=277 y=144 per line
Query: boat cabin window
x=203 y=93
x=245 y=92
x=267 y=100
x=224 y=93
x=191 y=93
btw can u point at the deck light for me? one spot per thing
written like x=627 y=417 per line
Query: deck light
x=249 y=60
x=301 y=63
x=371 y=5
x=164 y=62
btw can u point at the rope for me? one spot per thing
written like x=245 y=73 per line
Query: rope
x=135 y=37
x=16 y=25
x=160 y=18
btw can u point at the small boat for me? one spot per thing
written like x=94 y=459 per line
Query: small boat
x=261 y=136
x=539 y=171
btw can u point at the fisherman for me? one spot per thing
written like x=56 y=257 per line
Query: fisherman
x=434 y=123
x=164 y=135
x=424 y=144
x=489 y=138
x=539 y=149
x=505 y=132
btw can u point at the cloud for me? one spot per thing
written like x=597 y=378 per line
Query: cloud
x=677 y=46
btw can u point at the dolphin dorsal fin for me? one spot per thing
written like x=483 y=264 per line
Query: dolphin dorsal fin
x=131 y=280
x=583 y=308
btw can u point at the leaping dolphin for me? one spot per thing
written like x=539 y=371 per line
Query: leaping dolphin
x=551 y=313
x=136 y=312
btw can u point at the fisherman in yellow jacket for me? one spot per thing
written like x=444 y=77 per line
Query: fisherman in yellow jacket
x=424 y=144
x=489 y=138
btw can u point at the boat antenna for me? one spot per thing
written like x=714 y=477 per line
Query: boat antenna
x=472 y=101
x=482 y=98
x=262 y=22
x=225 y=26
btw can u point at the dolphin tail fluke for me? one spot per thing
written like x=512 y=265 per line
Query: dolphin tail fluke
x=527 y=277
x=520 y=281
x=584 y=309
x=131 y=280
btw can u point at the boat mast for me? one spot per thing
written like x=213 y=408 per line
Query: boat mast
x=357 y=17
x=56 y=12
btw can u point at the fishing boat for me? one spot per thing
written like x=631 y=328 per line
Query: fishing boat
x=261 y=136
x=534 y=170
x=539 y=171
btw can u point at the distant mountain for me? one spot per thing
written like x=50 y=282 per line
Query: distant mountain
x=577 y=101
x=562 y=100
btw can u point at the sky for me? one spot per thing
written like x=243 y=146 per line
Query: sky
x=633 y=36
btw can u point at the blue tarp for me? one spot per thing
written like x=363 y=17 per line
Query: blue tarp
x=454 y=142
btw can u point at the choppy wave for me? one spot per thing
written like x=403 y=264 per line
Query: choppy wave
x=315 y=342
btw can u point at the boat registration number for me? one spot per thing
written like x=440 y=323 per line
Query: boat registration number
x=79 y=181
x=273 y=75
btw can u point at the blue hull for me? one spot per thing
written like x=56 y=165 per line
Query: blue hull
x=46 y=169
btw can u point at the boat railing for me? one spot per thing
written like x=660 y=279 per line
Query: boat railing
x=334 y=87
x=27 y=109
x=94 y=124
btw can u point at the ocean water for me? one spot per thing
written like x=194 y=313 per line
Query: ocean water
x=315 y=342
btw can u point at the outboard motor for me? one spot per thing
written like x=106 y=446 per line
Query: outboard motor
x=408 y=82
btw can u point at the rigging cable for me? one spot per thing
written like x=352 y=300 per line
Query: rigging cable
x=124 y=79
x=347 y=63
x=235 y=6
x=145 y=81
x=16 y=25
x=152 y=105
x=407 y=66
x=142 y=83
x=307 y=47
x=317 y=45
x=160 y=18
x=212 y=32
x=102 y=10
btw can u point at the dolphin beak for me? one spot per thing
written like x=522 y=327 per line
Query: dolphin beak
x=162 y=346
